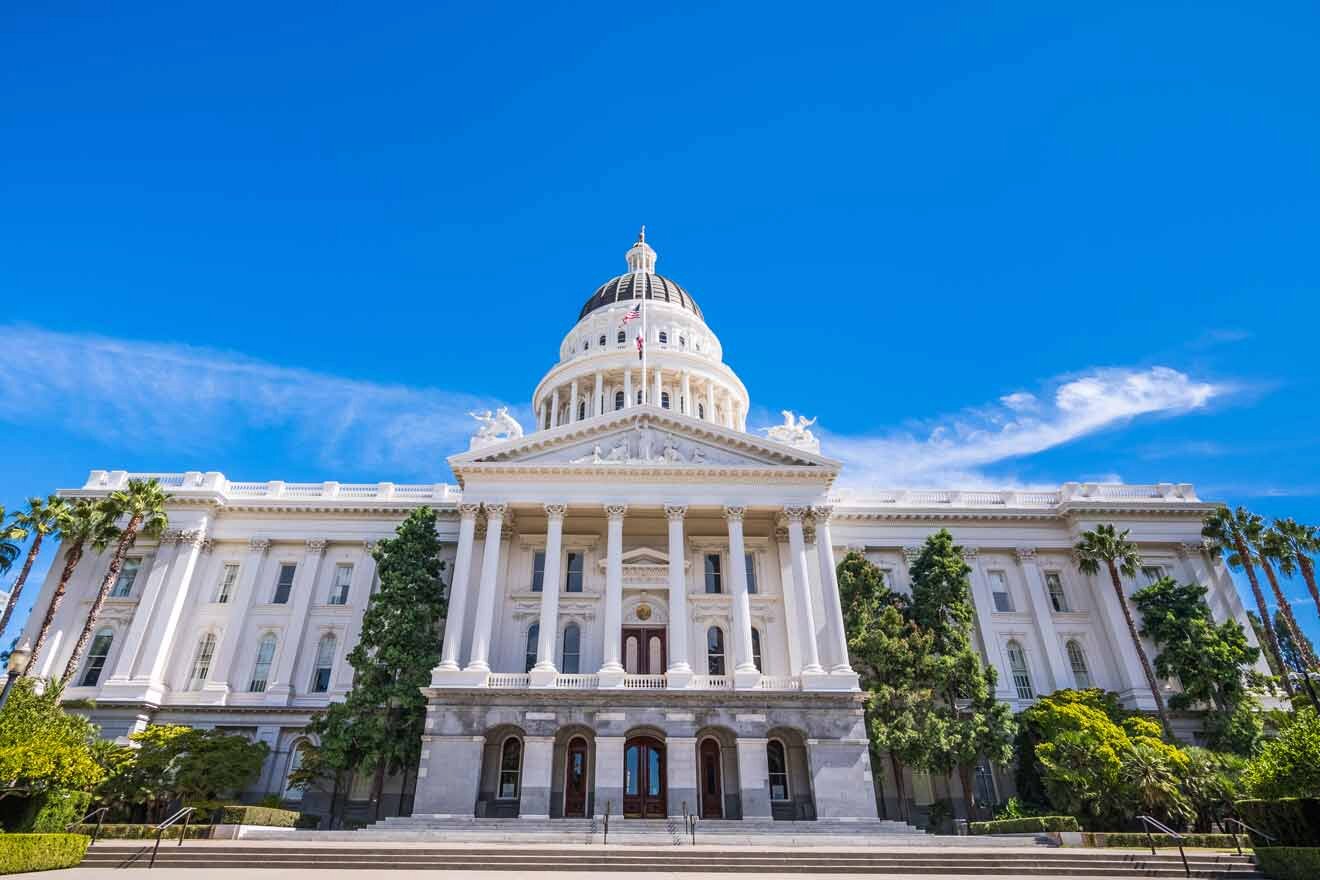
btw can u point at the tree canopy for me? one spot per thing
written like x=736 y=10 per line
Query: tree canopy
x=43 y=747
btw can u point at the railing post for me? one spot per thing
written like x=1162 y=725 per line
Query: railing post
x=99 y=819
x=184 y=832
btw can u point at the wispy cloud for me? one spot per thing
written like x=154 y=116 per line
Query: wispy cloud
x=953 y=451
x=186 y=399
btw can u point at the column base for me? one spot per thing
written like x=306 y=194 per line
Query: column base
x=135 y=690
x=461 y=678
x=543 y=676
x=746 y=679
x=830 y=681
x=278 y=695
x=678 y=679
x=610 y=677
x=213 y=693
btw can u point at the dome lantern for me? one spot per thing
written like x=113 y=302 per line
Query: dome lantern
x=641 y=256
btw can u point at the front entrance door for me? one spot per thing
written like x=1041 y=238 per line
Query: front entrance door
x=712 y=793
x=644 y=778
x=644 y=650
x=575 y=779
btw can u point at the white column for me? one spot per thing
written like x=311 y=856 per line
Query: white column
x=490 y=564
x=159 y=644
x=680 y=669
x=281 y=688
x=451 y=648
x=738 y=416
x=627 y=387
x=745 y=673
x=801 y=587
x=598 y=400
x=710 y=401
x=658 y=388
x=829 y=594
x=687 y=393
x=166 y=549
x=611 y=670
x=1042 y=616
x=572 y=402
x=785 y=569
x=544 y=672
x=984 y=607
x=217 y=683
x=1135 y=690
x=728 y=410
x=545 y=416
x=554 y=409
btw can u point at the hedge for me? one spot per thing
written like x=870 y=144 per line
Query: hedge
x=1290 y=821
x=49 y=812
x=238 y=814
x=1139 y=839
x=40 y=852
x=126 y=831
x=1289 y=862
x=1025 y=825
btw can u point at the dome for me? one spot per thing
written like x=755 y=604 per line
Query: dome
x=640 y=282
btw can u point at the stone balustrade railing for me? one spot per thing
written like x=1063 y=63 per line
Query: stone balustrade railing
x=1012 y=498
x=214 y=482
x=517 y=681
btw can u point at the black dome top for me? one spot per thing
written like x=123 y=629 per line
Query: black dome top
x=639 y=285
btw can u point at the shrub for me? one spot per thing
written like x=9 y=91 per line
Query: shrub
x=1028 y=825
x=243 y=815
x=127 y=831
x=1288 y=766
x=1290 y=821
x=20 y=853
x=1139 y=839
x=1289 y=862
x=49 y=812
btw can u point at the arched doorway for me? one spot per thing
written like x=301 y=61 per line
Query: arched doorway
x=644 y=778
x=710 y=773
x=576 y=776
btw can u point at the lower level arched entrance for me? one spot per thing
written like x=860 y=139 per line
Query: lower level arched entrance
x=576 y=768
x=644 y=778
x=710 y=778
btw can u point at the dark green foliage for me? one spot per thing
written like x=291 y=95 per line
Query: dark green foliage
x=1025 y=825
x=1290 y=821
x=142 y=831
x=1259 y=629
x=1293 y=654
x=1288 y=765
x=49 y=812
x=238 y=814
x=1289 y=862
x=20 y=853
x=1135 y=839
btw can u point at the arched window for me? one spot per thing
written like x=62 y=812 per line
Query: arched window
x=756 y=650
x=294 y=792
x=201 y=667
x=777 y=761
x=618 y=400
x=325 y=663
x=510 y=768
x=96 y=657
x=701 y=410
x=582 y=410
x=664 y=399
x=1077 y=660
x=1017 y=662
x=261 y=668
x=601 y=343
x=533 y=636
x=586 y=345
x=715 y=651
x=664 y=338
x=569 y=662
x=639 y=397
x=623 y=337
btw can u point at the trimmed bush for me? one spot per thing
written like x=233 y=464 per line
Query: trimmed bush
x=243 y=815
x=40 y=852
x=1291 y=821
x=50 y=812
x=126 y=831
x=1139 y=839
x=1028 y=825
x=1289 y=862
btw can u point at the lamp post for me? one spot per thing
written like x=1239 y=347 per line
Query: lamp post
x=18 y=663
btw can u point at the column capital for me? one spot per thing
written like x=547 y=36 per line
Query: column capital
x=191 y=537
x=615 y=511
x=734 y=513
x=911 y=554
x=781 y=532
x=170 y=536
x=369 y=546
x=495 y=511
x=258 y=545
x=316 y=545
x=1190 y=549
x=556 y=511
x=795 y=514
x=970 y=552
x=208 y=544
x=468 y=511
x=822 y=513
x=675 y=512
x=1025 y=554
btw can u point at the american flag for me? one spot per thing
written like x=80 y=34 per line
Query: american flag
x=633 y=314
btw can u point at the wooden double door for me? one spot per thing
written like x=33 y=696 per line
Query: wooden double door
x=710 y=772
x=644 y=650
x=576 y=769
x=644 y=778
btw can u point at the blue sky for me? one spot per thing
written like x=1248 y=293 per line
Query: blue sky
x=1009 y=245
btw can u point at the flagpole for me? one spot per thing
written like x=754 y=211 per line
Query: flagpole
x=645 y=346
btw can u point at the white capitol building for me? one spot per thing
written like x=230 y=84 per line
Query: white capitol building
x=643 y=603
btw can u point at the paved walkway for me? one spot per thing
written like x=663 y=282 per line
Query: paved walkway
x=358 y=874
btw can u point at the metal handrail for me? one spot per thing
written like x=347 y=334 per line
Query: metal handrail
x=99 y=813
x=605 y=841
x=185 y=814
x=1150 y=821
x=1249 y=829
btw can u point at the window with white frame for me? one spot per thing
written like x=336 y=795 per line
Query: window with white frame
x=128 y=573
x=1151 y=573
x=294 y=792
x=570 y=662
x=618 y=400
x=228 y=578
x=1017 y=664
x=777 y=765
x=573 y=569
x=284 y=583
x=714 y=582
x=582 y=410
x=325 y=663
x=1054 y=584
x=201 y=667
x=999 y=590
x=529 y=653
x=343 y=582
x=510 y=768
x=715 y=651
x=261 y=666
x=756 y=650
x=538 y=571
x=664 y=399
x=1077 y=660
x=750 y=561
x=97 y=655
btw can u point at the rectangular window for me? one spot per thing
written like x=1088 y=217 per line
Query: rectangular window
x=128 y=573
x=573 y=575
x=284 y=583
x=999 y=589
x=1058 y=598
x=538 y=571
x=751 y=572
x=228 y=578
x=342 y=584
x=714 y=583
x=1151 y=573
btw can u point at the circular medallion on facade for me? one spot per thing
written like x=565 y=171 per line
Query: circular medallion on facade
x=643 y=612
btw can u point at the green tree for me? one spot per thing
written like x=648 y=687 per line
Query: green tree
x=40 y=519
x=1301 y=543
x=142 y=504
x=1293 y=653
x=1289 y=765
x=9 y=551
x=1105 y=546
x=1272 y=547
x=1210 y=785
x=379 y=725
x=1233 y=532
x=42 y=747
x=172 y=762
x=1213 y=662
x=81 y=524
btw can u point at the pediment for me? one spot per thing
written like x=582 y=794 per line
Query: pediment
x=641 y=439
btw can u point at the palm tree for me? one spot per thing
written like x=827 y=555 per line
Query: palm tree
x=1302 y=541
x=1273 y=546
x=143 y=503
x=1103 y=545
x=36 y=522
x=82 y=523
x=1232 y=532
x=8 y=549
